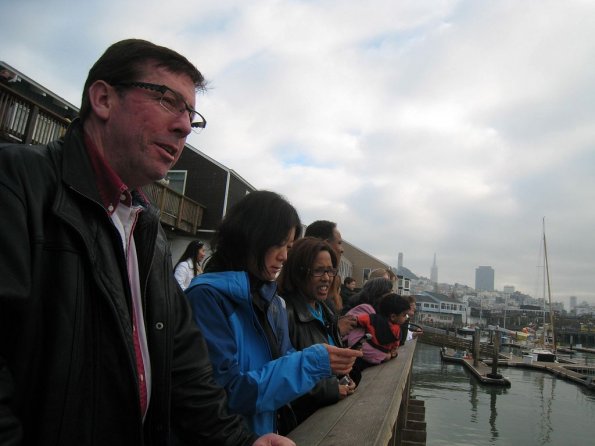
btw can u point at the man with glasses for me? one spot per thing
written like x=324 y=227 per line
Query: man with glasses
x=97 y=345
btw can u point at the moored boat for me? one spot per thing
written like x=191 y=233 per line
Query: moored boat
x=543 y=355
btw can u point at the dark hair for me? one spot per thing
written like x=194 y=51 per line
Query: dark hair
x=126 y=60
x=322 y=229
x=259 y=221
x=373 y=290
x=191 y=252
x=348 y=280
x=392 y=303
x=301 y=257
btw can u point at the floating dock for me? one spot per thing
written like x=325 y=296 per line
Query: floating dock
x=582 y=350
x=481 y=371
x=576 y=349
x=580 y=374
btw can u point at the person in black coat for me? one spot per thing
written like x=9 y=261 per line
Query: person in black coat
x=304 y=283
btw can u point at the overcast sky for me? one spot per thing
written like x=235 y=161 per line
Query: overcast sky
x=422 y=127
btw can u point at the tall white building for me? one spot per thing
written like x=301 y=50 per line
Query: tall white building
x=434 y=271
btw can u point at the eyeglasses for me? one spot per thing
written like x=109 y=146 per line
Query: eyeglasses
x=319 y=272
x=172 y=101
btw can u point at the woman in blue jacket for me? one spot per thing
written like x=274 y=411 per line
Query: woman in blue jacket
x=244 y=321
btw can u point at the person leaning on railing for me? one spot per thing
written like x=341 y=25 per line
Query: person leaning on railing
x=304 y=283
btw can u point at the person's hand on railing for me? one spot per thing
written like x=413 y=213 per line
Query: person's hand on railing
x=415 y=329
x=346 y=386
x=346 y=389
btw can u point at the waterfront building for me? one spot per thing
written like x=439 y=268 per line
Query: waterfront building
x=584 y=309
x=439 y=309
x=29 y=112
x=404 y=285
x=362 y=263
x=484 y=278
x=508 y=289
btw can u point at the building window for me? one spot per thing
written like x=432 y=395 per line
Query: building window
x=366 y=275
x=176 y=180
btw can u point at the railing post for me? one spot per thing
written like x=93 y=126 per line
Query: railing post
x=401 y=423
x=180 y=208
x=162 y=197
x=31 y=121
x=197 y=215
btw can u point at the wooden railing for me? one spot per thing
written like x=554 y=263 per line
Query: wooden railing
x=177 y=210
x=23 y=121
x=375 y=415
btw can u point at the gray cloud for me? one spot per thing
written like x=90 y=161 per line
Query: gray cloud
x=448 y=126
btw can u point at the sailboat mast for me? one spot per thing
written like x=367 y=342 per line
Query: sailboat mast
x=549 y=291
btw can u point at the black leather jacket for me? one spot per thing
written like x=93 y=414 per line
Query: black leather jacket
x=305 y=330
x=67 y=367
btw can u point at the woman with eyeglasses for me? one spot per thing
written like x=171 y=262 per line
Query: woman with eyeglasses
x=244 y=322
x=304 y=283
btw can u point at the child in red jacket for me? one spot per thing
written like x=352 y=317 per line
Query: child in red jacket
x=384 y=326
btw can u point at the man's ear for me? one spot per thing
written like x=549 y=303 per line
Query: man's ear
x=101 y=97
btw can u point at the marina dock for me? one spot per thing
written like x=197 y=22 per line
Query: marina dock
x=480 y=369
x=581 y=349
x=452 y=350
x=580 y=374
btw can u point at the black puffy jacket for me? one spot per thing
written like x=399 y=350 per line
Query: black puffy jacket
x=305 y=330
x=67 y=367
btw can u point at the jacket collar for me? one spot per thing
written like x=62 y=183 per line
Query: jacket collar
x=76 y=165
x=304 y=314
x=78 y=168
x=235 y=285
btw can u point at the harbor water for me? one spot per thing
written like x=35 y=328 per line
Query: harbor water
x=538 y=409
